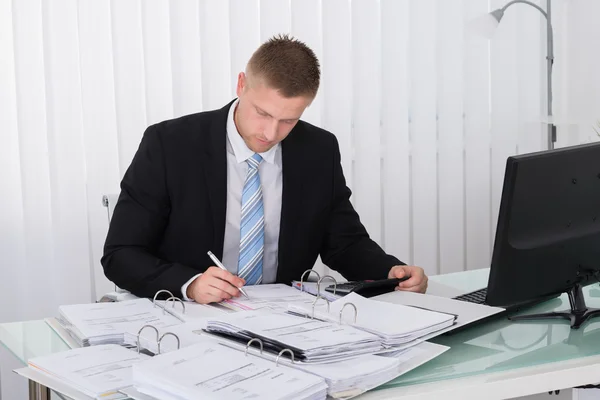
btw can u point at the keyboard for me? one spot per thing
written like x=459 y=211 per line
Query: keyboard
x=477 y=296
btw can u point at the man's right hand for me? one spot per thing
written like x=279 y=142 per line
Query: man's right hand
x=214 y=285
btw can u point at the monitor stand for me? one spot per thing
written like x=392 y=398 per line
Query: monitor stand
x=578 y=314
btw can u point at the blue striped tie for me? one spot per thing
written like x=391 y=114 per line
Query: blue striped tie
x=252 y=226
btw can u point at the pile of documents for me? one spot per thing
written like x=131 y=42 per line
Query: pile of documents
x=277 y=343
x=310 y=340
x=106 y=323
x=354 y=376
x=166 y=339
x=275 y=297
x=209 y=370
x=98 y=372
x=395 y=324
x=345 y=378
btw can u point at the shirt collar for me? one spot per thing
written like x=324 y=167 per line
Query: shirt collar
x=240 y=150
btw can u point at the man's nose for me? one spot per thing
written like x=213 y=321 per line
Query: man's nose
x=270 y=131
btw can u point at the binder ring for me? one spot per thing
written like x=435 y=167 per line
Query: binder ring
x=140 y=332
x=174 y=300
x=250 y=342
x=172 y=334
x=330 y=277
x=302 y=279
x=342 y=310
x=159 y=292
x=281 y=352
x=315 y=302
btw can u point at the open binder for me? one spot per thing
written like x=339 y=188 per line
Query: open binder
x=96 y=372
x=344 y=378
x=209 y=370
x=106 y=323
x=394 y=324
x=344 y=360
x=309 y=340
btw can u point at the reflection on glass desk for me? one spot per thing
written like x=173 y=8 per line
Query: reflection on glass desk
x=30 y=339
x=494 y=346
x=501 y=345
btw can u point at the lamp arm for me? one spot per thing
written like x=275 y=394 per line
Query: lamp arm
x=525 y=2
x=549 y=58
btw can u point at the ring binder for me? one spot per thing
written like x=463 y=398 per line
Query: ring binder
x=159 y=292
x=342 y=310
x=302 y=279
x=140 y=332
x=174 y=300
x=330 y=277
x=250 y=342
x=281 y=352
x=166 y=334
x=315 y=302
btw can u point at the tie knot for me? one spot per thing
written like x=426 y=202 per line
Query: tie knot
x=254 y=161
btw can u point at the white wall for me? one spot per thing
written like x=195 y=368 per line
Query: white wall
x=425 y=113
x=579 y=111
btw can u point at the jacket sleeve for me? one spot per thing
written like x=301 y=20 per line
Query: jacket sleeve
x=347 y=247
x=131 y=251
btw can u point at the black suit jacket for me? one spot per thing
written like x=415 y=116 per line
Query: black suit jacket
x=171 y=209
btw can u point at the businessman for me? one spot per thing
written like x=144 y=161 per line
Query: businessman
x=251 y=182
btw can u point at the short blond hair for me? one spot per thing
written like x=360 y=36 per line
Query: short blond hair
x=287 y=65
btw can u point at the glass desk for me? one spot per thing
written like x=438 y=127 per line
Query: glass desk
x=30 y=339
x=496 y=359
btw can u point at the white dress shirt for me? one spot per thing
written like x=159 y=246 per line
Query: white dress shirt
x=271 y=182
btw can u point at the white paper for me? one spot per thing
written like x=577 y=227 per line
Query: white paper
x=173 y=337
x=466 y=312
x=98 y=371
x=352 y=377
x=193 y=311
x=317 y=340
x=208 y=370
x=395 y=324
x=99 y=323
x=275 y=297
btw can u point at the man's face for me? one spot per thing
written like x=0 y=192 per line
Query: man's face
x=263 y=116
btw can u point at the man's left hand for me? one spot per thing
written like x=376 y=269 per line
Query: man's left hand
x=417 y=281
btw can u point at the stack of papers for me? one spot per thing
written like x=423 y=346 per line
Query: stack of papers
x=310 y=340
x=352 y=377
x=106 y=323
x=395 y=324
x=466 y=312
x=194 y=311
x=209 y=370
x=275 y=297
x=171 y=338
x=97 y=372
x=345 y=378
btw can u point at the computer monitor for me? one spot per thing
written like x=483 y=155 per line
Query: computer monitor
x=548 y=233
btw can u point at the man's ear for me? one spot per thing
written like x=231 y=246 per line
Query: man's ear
x=241 y=84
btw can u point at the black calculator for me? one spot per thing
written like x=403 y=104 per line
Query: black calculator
x=368 y=288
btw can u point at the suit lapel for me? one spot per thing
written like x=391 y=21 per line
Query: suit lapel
x=293 y=155
x=215 y=173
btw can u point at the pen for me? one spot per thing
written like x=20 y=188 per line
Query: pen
x=218 y=264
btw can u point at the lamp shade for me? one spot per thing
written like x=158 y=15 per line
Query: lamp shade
x=486 y=24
